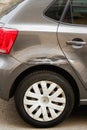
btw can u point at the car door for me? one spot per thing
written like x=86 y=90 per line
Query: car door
x=72 y=36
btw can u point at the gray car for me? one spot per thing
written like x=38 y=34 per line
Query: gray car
x=43 y=62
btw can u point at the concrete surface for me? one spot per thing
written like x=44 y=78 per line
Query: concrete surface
x=5 y=4
x=10 y=120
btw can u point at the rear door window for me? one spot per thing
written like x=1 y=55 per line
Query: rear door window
x=77 y=12
x=56 y=9
x=8 y=5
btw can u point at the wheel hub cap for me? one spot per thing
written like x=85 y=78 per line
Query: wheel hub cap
x=44 y=101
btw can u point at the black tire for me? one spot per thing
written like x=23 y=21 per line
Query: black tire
x=45 y=76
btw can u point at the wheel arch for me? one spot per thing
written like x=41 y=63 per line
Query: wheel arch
x=53 y=68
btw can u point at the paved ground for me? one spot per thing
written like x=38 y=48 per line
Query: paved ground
x=5 y=4
x=10 y=120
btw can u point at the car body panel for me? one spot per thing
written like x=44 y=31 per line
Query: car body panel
x=36 y=44
x=76 y=55
x=28 y=12
x=33 y=32
x=32 y=42
x=10 y=68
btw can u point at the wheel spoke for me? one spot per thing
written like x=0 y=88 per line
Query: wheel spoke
x=32 y=95
x=56 y=107
x=51 y=88
x=57 y=93
x=32 y=108
x=29 y=102
x=37 y=114
x=44 y=87
x=52 y=112
x=59 y=100
x=45 y=114
x=36 y=89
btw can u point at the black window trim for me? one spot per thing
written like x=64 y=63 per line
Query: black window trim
x=65 y=10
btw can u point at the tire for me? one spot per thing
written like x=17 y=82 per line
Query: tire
x=44 y=99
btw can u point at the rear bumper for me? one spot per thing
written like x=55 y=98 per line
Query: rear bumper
x=10 y=68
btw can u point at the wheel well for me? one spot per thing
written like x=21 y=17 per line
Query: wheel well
x=50 y=68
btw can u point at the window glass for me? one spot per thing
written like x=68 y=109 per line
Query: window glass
x=7 y=5
x=56 y=9
x=77 y=12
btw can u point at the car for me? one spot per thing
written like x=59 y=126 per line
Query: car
x=43 y=62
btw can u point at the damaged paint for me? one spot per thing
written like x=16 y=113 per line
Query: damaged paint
x=45 y=60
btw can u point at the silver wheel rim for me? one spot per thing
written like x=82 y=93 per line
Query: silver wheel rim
x=44 y=101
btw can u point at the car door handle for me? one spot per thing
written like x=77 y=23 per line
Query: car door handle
x=76 y=43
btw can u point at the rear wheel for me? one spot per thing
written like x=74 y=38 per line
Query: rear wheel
x=44 y=98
